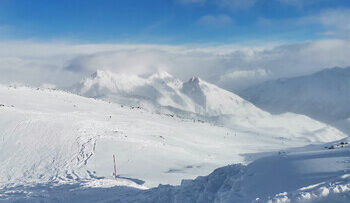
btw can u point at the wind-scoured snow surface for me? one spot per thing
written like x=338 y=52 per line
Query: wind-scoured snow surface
x=58 y=146
x=324 y=95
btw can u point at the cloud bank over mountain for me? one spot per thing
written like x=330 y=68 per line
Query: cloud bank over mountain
x=232 y=67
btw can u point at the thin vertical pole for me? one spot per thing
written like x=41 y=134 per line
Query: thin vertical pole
x=115 y=167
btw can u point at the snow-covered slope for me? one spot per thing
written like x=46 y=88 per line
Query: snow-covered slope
x=51 y=135
x=343 y=125
x=324 y=95
x=317 y=173
x=196 y=99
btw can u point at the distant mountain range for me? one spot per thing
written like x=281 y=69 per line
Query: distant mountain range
x=324 y=95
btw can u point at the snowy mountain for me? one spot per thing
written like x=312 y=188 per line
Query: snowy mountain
x=62 y=143
x=324 y=95
x=195 y=99
x=57 y=136
x=163 y=90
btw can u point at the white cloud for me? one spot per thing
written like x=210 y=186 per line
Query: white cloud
x=296 y=3
x=232 y=5
x=299 y=3
x=215 y=20
x=338 y=19
x=334 y=21
x=238 y=74
x=231 y=66
x=239 y=79
x=225 y=4
x=236 y=4
x=186 y=2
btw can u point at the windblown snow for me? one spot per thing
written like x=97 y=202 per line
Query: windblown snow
x=169 y=131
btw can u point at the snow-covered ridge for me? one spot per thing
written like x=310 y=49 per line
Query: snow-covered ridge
x=164 y=93
x=162 y=89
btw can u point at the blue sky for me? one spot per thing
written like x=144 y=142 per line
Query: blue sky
x=231 y=43
x=173 y=21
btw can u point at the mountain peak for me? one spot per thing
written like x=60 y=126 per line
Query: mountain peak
x=100 y=74
x=161 y=74
x=194 y=79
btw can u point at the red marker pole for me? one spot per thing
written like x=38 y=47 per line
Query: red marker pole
x=115 y=168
